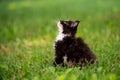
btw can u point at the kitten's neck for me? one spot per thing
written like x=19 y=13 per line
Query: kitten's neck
x=61 y=36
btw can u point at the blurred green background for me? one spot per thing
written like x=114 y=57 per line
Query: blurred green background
x=39 y=17
x=28 y=29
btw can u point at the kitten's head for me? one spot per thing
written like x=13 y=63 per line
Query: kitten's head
x=68 y=27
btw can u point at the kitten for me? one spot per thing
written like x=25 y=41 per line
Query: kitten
x=70 y=50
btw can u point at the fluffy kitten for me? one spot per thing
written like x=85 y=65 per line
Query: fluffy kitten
x=70 y=50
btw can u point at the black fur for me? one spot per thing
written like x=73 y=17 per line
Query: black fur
x=76 y=50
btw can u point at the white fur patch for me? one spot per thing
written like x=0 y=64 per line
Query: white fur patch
x=65 y=59
x=60 y=26
x=60 y=37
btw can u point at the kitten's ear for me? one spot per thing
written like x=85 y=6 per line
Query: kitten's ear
x=75 y=23
x=60 y=26
x=63 y=22
x=60 y=23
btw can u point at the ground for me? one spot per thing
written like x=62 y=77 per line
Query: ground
x=28 y=30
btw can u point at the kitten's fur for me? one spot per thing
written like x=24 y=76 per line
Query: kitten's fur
x=70 y=50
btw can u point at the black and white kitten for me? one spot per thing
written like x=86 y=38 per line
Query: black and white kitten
x=70 y=50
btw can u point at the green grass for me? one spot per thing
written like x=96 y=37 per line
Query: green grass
x=28 y=30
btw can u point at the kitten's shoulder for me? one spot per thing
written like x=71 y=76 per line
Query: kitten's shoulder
x=79 y=39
